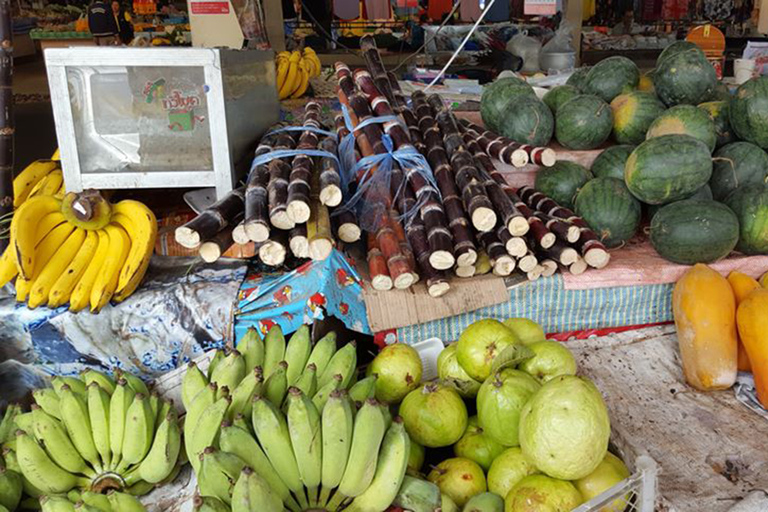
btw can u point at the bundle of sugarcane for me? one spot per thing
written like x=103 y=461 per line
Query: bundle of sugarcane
x=508 y=151
x=285 y=203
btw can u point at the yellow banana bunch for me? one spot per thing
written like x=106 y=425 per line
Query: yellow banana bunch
x=294 y=69
x=106 y=435
x=30 y=179
x=81 y=250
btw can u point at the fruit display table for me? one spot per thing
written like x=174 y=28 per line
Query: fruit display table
x=710 y=447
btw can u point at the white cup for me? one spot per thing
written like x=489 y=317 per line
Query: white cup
x=743 y=70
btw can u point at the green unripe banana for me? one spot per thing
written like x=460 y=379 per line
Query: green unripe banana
x=322 y=352
x=252 y=348
x=297 y=353
x=252 y=492
x=274 y=350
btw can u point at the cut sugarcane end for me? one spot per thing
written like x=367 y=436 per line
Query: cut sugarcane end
x=536 y=273
x=299 y=246
x=548 y=157
x=549 y=268
x=297 y=212
x=548 y=240
x=210 y=252
x=331 y=196
x=517 y=247
x=467 y=258
x=518 y=226
x=597 y=257
x=441 y=260
x=569 y=256
x=281 y=220
x=272 y=253
x=403 y=281
x=484 y=219
x=349 y=233
x=503 y=266
x=257 y=231
x=519 y=158
x=527 y=263
x=579 y=267
x=573 y=235
x=187 y=237
x=381 y=283
x=438 y=289
x=239 y=235
x=320 y=249
x=465 y=271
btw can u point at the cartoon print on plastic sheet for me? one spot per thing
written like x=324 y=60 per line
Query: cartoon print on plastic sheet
x=172 y=318
x=314 y=289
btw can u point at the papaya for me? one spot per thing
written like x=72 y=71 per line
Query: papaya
x=764 y=280
x=742 y=285
x=704 y=308
x=752 y=320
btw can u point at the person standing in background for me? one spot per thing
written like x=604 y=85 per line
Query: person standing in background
x=123 y=22
x=102 y=24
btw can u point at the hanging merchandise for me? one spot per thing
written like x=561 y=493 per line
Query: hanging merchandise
x=436 y=9
x=674 y=9
x=588 y=9
x=378 y=9
x=470 y=10
x=499 y=11
x=346 y=9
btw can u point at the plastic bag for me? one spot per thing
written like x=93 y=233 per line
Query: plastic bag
x=562 y=42
x=527 y=48
x=558 y=54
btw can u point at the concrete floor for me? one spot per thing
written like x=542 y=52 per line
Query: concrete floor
x=35 y=130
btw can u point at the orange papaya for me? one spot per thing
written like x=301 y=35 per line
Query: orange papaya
x=742 y=285
x=752 y=319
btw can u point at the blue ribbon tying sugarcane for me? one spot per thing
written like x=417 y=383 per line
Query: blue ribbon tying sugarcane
x=287 y=153
x=368 y=213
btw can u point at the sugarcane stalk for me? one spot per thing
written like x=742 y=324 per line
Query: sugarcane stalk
x=330 y=178
x=541 y=236
x=346 y=227
x=239 y=236
x=561 y=253
x=211 y=220
x=297 y=241
x=516 y=246
x=7 y=122
x=527 y=262
x=464 y=271
x=211 y=249
x=503 y=264
x=256 y=222
x=535 y=273
x=274 y=251
x=377 y=266
x=508 y=151
x=549 y=267
x=299 y=190
x=319 y=231
x=405 y=248
x=464 y=246
x=578 y=267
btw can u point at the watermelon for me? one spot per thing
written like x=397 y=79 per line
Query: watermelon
x=685 y=77
x=703 y=193
x=736 y=165
x=674 y=49
x=562 y=181
x=611 y=77
x=667 y=168
x=646 y=82
x=609 y=209
x=633 y=114
x=527 y=120
x=498 y=95
x=559 y=95
x=583 y=122
x=750 y=204
x=685 y=120
x=718 y=112
x=694 y=231
x=720 y=93
x=748 y=111
x=578 y=78
x=610 y=163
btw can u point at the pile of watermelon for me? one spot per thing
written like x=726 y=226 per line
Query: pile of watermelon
x=679 y=147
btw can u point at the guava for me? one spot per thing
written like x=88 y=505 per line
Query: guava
x=447 y=504
x=509 y=468
x=480 y=343
x=499 y=402
x=398 y=368
x=486 y=502
x=459 y=479
x=540 y=493
x=477 y=446
x=607 y=474
x=434 y=415
x=564 y=428
x=550 y=360
x=527 y=331
x=415 y=458
x=451 y=373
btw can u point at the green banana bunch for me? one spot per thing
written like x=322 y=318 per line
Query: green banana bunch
x=10 y=488
x=192 y=383
x=307 y=382
x=297 y=353
x=48 y=399
x=274 y=350
x=277 y=384
x=252 y=348
x=344 y=363
x=252 y=492
x=337 y=428
x=230 y=371
x=218 y=473
x=91 y=502
x=206 y=431
x=209 y=504
x=306 y=439
x=322 y=352
x=321 y=397
x=162 y=457
x=363 y=389
x=242 y=396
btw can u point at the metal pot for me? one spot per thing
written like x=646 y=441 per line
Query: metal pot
x=557 y=61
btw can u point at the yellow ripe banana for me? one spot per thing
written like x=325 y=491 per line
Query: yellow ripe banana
x=22 y=289
x=106 y=282
x=8 y=269
x=291 y=80
x=28 y=178
x=56 y=156
x=42 y=284
x=44 y=251
x=62 y=288
x=81 y=294
x=303 y=86
x=47 y=224
x=282 y=72
x=24 y=228
x=61 y=192
x=141 y=225
x=53 y=183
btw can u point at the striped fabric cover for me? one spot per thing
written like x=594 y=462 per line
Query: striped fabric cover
x=556 y=309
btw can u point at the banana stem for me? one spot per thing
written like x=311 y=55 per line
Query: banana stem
x=312 y=494
x=291 y=504
x=336 y=501
x=302 y=499
x=325 y=493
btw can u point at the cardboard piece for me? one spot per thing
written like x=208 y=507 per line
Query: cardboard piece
x=398 y=308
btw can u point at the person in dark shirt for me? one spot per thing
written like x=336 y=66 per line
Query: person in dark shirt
x=102 y=25
x=123 y=22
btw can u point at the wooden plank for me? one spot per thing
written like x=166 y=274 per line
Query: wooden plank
x=398 y=308
x=710 y=447
x=273 y=19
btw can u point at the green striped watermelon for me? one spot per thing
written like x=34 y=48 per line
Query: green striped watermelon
x=750 y=204
x=674 y=49
x=527 y=120
x=556 y=96
x=736 y=165
x=667 y=168
x=633 y=114
x=583 y=122
x=718 y=112
x=610 y=163
x=704 y=193
x=749 y=111
x=562 y=181
x=498 y=96
x=611 y=77
x=694 y=231
x=578 y=78
x=685 y=77
x=609 y=209
x=685 y=120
